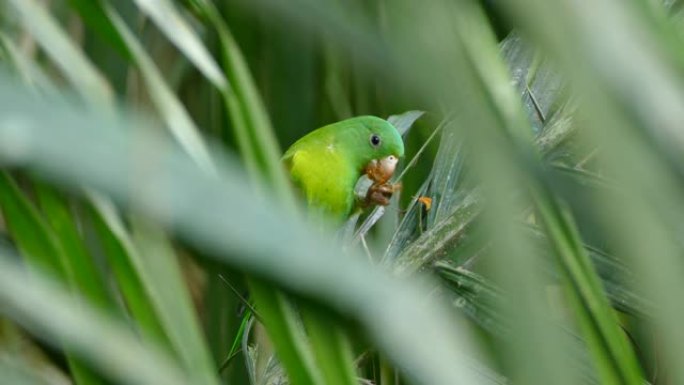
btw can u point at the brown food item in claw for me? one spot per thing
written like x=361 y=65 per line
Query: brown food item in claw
x=380 y=171
x=380 y=194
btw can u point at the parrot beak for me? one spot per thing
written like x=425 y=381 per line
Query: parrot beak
x=381 y=170
x=389 y=164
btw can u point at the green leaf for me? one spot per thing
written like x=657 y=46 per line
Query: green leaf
x=161 y=276
x=281 y=322
x=43 y=251
x=93 y=15
x=32 y=235
x=85 y=275
x=404 y=122
x=178 y=31
x=171 y=110
x=330 y=344
x=120 y=253
x=106 y=344
x=15 y=372
x=251 y=124
x=73 y=63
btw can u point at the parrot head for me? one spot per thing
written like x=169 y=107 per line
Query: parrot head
x=377 y=145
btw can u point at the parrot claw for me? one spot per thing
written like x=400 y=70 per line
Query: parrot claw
x=380 y=194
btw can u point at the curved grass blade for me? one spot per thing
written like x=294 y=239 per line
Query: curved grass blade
x=178 y=31
x=261 y=153
x=43 y=251
x=281 y=322
x=179 y=122
x=85 y=275
x=160 y=273
x=171 y=110
x=15 y=372
x=92 y=14
x=191 y=349
x=120 y=252
x=253 y=130
x=28 y=69
x=330 y=345
x=614 y=358
x=80 y=72
x=107 y=345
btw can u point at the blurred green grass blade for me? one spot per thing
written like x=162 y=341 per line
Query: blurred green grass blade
x=73 y=63
x=636 y=109
x=27 y=68
x=251 y=122
x=331 y=346
x=15 y=372
x=615 y=276
x=119 y=250
x=282 y=325
x=85 y=274
x=474 y=296
x=42 y=250
x=617 y=279
x=169 y=20
x=600 y=324
x=158 y=267
x=138 y=286
x=30 y=232
x=261 y=154
x=170 y=109
x=93 y=15
x=450 y=196
x=494 y=119
x=48 y=311
x=614 y=358
x=268 y=240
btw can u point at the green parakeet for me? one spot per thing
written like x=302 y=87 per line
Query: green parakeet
x=326 y=163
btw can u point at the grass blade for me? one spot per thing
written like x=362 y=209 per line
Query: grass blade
x=85 y=274
x=107 y=345
x=169 y=107
x=257 y=142
x=120 y=252
x=178 y=31
x=80 y=72
x=43 y=251
x=160 y=273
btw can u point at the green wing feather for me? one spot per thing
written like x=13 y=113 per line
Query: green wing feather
x=324 y=175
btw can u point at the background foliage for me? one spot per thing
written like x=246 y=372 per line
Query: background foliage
x=149 y=234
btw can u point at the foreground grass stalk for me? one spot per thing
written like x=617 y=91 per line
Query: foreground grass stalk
x=331 y=346
x=282 y=327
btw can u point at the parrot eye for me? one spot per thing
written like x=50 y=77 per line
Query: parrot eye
x=375 y=140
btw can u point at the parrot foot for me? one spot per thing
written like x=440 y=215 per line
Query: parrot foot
x=381 y=193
